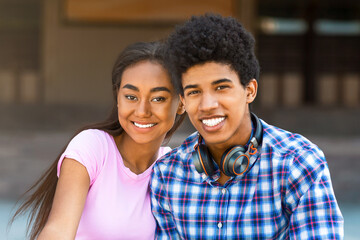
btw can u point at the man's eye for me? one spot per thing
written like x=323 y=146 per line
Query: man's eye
x=159 y=99
x=130 y=97
x=194 y=92
x=222 y=87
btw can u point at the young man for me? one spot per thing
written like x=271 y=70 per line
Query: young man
x=237 y=177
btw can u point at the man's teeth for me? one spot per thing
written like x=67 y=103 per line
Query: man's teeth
x=213 y=121
x=144 y=125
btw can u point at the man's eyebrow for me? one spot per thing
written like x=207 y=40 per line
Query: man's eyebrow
x=220 y=81
x=191 y=86
x=213 y=83
x=131 y=87
x=158 y=89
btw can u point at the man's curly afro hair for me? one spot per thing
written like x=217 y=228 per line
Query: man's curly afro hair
x=212 y=38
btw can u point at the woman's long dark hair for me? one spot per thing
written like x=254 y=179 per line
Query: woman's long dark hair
x=39 y=198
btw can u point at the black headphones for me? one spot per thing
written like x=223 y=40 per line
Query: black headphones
x=235 y=160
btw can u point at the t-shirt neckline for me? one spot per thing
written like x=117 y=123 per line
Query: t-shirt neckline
x=127 y=170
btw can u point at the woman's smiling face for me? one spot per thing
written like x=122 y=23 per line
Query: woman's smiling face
x=147 y=102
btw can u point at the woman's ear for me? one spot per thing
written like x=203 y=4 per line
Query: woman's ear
x=251 y=91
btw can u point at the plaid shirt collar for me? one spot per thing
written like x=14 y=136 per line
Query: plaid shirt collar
x=192 y=141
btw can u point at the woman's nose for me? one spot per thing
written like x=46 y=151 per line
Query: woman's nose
x=143 y=109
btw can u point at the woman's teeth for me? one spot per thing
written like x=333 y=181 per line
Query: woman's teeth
x=213 y=121
x=144 y=125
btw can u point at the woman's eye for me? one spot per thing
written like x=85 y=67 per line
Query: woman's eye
x=130 y=97
x=158 y=99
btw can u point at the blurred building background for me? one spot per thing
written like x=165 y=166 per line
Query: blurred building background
x=56 y=58
x=309 y=50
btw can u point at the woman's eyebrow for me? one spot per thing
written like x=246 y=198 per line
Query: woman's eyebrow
x=132 y=87
x=158 y=89
x=155 y=89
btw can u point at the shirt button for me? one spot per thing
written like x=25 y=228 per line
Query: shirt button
x=219 y=225
x=223 y=191
x=216 y=191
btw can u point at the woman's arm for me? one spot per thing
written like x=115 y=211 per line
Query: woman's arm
x=70 y=196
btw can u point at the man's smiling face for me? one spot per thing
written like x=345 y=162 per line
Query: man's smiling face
x=218 y=104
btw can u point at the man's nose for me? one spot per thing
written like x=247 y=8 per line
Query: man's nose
x=208 y=102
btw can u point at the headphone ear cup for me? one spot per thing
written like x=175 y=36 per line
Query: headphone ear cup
x=203 y=163
x=196 y=159
x=233 y=159
x=240 y=164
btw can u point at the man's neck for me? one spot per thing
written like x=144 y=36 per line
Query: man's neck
x=223 y=178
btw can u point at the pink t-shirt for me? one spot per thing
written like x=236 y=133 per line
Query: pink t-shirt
x=118 y=202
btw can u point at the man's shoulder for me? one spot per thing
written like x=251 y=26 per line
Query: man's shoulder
x=181 y=153
x=293 y=153
x=177 y=162
x=285 y=142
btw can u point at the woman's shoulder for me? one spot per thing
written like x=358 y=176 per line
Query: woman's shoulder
x=91 y=139
x=164 y=150
x=93 y=135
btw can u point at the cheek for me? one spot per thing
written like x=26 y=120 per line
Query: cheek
x=169 y=112
x=190 y=106
x=123 y=109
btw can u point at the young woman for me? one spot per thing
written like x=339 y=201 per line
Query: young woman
x=98 y=187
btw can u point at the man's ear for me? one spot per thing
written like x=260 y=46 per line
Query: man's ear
x=251 y=91
x=182 y=99
x=181 y=106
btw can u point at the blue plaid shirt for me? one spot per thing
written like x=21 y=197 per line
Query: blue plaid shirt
x=286 y=194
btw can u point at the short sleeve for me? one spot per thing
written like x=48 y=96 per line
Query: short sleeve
x=163 y=150
x=88 y=149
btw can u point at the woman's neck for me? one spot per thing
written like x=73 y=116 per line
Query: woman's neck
x=137 y=157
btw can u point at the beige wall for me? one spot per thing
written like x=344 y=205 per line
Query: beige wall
x=77 y=59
